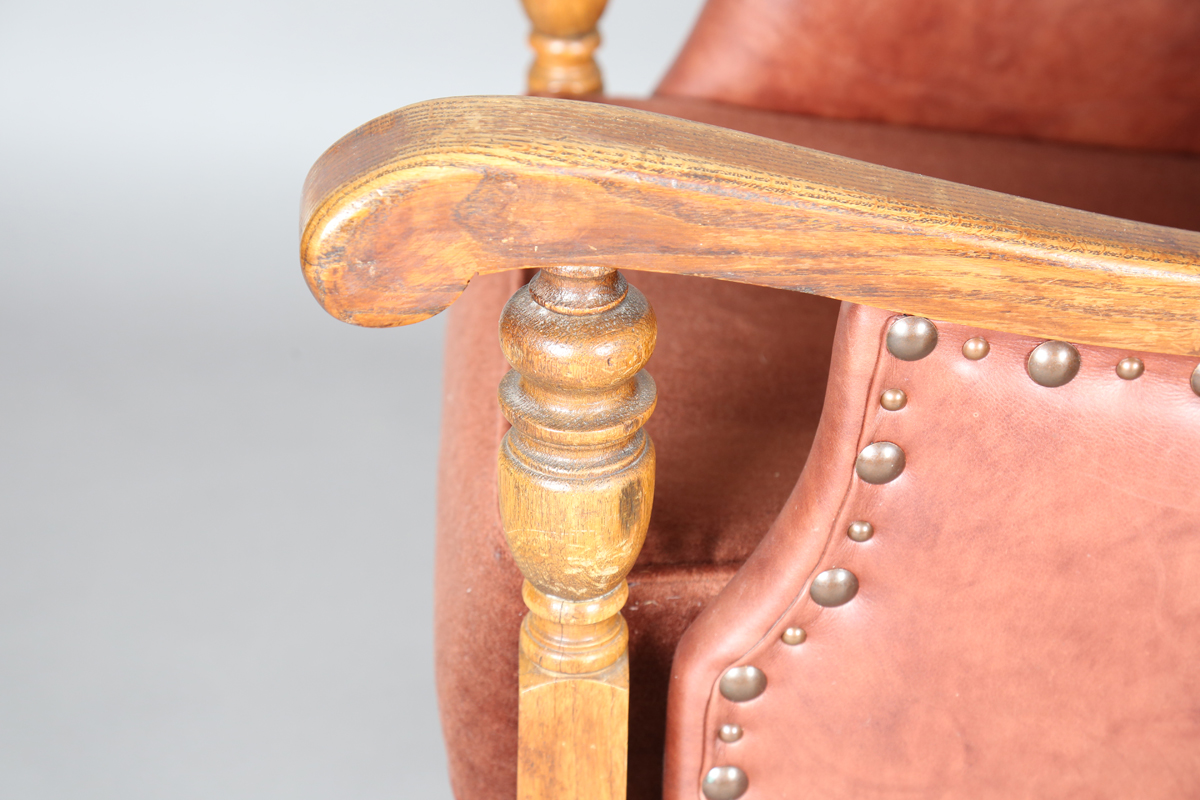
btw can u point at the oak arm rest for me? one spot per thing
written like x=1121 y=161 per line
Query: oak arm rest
x=400 y=214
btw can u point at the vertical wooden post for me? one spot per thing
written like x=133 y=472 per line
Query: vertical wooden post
x=564 y=38
x=576 y=486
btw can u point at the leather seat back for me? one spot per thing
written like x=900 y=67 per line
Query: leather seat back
x=1124 y=74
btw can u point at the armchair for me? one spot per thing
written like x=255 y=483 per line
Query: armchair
x=937 y=540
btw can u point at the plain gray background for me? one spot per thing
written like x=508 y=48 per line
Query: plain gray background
x=216 y=505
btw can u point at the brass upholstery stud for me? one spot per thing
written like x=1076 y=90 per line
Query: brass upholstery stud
x=729 y=733
x=740 y=684
x=1053 y=364
x=911 y=338
x=725 y=783
x=860 y=531
x=834 y=587
x=1196 y=379
x=880 y=462
x=976 y=348
x=794 y=636
x=1130 y=369
x=893 y=399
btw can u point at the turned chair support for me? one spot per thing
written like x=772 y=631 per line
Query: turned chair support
x=576 y=486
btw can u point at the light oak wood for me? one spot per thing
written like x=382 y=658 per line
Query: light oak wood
x=574 y=734
x=564 y=40
x=576 y=474
x=403 y=212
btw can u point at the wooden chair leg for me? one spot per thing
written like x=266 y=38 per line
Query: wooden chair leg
x=576 y=486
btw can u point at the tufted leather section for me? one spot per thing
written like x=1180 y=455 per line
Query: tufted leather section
x=1124 y=74
x=1028 y=619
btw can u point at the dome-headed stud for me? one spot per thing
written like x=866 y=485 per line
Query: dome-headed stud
x=1130 y=369
x=729 y=733
x=725 y=783
x=834 y=587
x=860 y=531
x=740 y=684
x=794 y=636
x=976 y=348
x=1196 y=379
x=911 y=338
x=880 y=462
x=893 y=399
x=1053 y=364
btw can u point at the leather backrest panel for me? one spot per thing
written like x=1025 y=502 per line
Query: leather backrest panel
x=1125 y=74
x=1028 y=618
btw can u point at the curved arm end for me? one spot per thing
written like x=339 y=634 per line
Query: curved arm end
x=374 y=227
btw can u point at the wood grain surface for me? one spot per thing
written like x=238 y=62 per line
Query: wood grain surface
x=574 y=734
x=400 y=214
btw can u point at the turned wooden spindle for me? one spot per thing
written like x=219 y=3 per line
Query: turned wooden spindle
x=576 y=486
x=564 y=40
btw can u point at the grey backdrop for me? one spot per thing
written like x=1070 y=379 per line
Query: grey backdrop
x=216 y=502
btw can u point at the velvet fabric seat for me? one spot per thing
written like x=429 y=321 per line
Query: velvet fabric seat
x=742 y=374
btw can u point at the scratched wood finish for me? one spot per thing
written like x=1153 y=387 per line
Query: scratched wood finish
x=399 y=215
x=564 y=41
x=576 y=474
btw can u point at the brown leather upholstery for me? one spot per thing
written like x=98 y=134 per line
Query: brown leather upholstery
x=741 y=374
x=1027 y=623
x=1125 y=74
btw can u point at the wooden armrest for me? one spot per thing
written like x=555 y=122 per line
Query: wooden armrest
x=400 y=214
